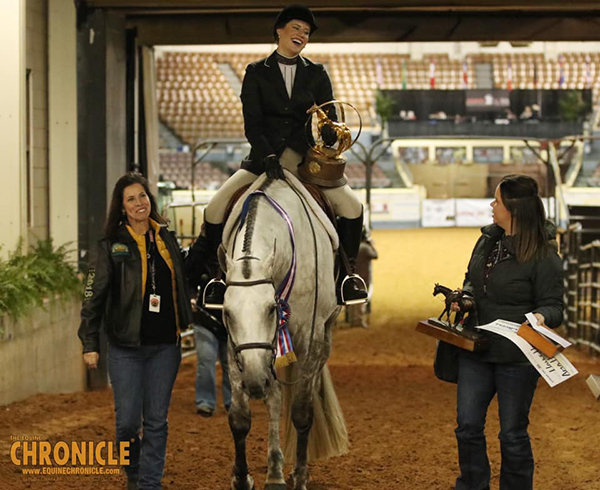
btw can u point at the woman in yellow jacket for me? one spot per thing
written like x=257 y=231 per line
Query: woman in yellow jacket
x=136 y=288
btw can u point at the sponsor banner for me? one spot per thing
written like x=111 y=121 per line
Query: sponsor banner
x=473 y=212
x=438 y=213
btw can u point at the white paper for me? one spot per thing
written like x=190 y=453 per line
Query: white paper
x=546 y=332
x=554 y=370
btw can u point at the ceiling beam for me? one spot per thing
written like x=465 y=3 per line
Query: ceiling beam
x=401 y=5
x=370 y=27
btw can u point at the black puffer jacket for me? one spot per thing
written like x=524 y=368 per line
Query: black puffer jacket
x=513 y=289
x=113 y=292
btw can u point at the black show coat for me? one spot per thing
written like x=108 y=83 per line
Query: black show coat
x=273 y=120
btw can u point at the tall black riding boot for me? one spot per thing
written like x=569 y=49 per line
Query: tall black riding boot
x=214 y=293
x=351 y=288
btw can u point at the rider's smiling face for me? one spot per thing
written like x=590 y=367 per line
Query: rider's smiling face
x=293 y=38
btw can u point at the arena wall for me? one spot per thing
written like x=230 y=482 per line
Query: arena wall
x=42 y=354
x=38 y=127
x=62 y=119
x=12 y=103
x=36 y=63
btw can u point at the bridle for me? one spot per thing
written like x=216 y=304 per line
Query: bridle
x=272 y=346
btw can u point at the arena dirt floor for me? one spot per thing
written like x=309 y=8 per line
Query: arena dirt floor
x=399 y=416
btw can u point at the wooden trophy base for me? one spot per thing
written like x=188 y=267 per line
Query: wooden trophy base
x=465 y=339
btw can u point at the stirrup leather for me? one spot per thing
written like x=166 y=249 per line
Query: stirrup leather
x=212 y=306
x=353 y=277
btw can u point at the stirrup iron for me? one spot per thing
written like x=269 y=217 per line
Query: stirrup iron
x=353 y=277
x=212 y=306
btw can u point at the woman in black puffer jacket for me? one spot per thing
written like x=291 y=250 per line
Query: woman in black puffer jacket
x=514 y=270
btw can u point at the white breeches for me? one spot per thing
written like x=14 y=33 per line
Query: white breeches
x=344 y=201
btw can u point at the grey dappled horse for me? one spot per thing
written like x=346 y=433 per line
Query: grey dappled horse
x=258 y=257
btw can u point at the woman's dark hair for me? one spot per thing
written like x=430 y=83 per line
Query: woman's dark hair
x=520 y=197
x=115 y=212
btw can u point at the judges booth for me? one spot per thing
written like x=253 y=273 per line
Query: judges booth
x=472 y=168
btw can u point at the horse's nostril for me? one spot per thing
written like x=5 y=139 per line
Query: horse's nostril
x=267 y=383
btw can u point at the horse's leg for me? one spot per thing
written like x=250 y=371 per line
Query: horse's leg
x=302 y=418
x=239 y=423
x=444 y=312
x=275 y=479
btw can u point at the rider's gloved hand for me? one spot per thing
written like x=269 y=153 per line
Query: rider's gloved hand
x=273 y=168
x=329 y=135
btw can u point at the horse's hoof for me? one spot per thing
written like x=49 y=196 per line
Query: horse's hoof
x=275 y=486
x=242 y=485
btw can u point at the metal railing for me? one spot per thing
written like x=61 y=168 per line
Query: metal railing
x=175 y=211
x=584 y=328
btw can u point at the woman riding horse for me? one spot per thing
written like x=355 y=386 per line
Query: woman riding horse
x=276 y=94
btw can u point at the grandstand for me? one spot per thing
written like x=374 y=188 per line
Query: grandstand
x=198 y=91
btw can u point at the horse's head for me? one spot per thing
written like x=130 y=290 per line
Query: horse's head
x=251 y=316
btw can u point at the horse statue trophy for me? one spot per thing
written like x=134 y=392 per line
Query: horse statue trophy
x=465 y=302
x=457 y=331
x=278 y=253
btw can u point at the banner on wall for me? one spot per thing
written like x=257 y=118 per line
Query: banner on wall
x=473 y=212
x=389 y=206
x=441 y=213
x=438 y=213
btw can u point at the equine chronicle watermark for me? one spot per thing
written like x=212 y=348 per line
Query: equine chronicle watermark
x=38 y=457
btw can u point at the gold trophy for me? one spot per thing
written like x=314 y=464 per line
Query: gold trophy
x=324 y=163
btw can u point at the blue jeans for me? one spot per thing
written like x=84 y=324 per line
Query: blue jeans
x=142 y=379
x=208 y=349
x=515 y=385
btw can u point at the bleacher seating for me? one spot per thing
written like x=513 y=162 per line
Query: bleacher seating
x=356 y=175
x=196 y=100
x=176 y=166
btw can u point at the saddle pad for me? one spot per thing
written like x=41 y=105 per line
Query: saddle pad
x=231 y=224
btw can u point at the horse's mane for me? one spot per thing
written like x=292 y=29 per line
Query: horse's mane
x=249 y=232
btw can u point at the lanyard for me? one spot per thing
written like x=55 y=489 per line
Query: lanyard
x=152 y=261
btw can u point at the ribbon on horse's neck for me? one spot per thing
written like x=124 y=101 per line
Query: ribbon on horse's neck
x=285 y=349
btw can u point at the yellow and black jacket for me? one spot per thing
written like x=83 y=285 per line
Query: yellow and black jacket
x=115 y=285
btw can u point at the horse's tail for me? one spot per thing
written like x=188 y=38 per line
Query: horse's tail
x=328 y=436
